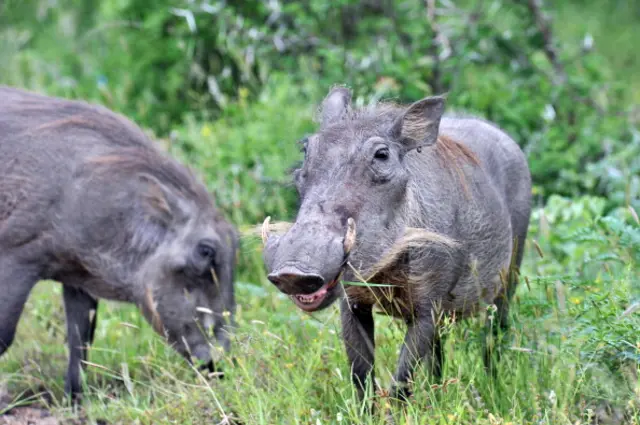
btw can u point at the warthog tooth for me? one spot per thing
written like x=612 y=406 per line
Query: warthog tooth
x=265 y=230
x=156 y=322
x=214 y=276
x=350 y=237
x=204 y=310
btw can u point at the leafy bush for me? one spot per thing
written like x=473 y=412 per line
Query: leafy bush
x=246 y=154
x=589 y=276
x=162 y=61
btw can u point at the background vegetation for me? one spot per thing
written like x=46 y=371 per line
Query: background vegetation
x=228 y=87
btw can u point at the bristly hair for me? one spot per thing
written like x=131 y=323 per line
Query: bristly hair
x=132 y=151
x=135 y=160
x=454 y=155
x=58 y=114
x=451 y=150
x=303 y=140
x=297 y=165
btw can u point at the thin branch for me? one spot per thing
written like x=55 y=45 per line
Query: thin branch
x=438 y=40
x=471 y=21
x=543 y=23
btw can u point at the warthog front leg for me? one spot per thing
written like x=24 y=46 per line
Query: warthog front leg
x=16 y=282
x=421 y=345
x=81 y=311
x=358 y=336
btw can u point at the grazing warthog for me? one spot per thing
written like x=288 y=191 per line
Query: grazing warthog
x=437 y=208
x=86 y=199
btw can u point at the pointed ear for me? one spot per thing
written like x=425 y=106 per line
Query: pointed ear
x=335 y=105
x=159 y=200
x=418 y=125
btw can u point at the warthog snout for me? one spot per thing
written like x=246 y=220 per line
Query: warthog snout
x=291 y=280
x=306 y=262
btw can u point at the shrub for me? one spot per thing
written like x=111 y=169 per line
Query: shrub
x=160 y=62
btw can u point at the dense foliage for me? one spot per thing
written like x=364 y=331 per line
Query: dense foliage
x=229 y=86
x=496 y=59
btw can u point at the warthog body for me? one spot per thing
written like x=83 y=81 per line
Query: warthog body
x=435 y=207
x=86 y=199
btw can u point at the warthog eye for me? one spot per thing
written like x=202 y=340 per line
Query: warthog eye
x=206 y=252
x=203 y=258
x=382 y=154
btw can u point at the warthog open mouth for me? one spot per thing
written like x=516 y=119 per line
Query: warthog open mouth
x=311 y=302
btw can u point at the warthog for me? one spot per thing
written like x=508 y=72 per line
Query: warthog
x=87 y=200
x=435 y=208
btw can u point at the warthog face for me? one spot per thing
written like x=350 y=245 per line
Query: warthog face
x=353 y=176
x=187 y=279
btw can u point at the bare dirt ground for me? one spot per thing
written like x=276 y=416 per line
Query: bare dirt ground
x=28 y=416
x=24 y=415
x=36 y=413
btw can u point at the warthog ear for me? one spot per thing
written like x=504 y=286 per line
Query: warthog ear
x=159 y=200
x=418 y=125
x=335 y=105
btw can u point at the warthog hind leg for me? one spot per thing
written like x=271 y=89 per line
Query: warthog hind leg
x=81 y=311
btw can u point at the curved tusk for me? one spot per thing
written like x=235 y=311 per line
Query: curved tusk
x=350 y=237
x=156 y=321
x=265 y=230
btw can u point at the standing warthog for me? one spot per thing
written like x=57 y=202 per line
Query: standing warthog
x=86 y=199
x=435 y=207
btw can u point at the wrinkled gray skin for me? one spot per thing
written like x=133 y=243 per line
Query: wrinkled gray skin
x=366 y=165
x=86 y=199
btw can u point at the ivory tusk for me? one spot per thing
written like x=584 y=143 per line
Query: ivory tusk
x=265 y=230
x=350 y=237
x=156 y=321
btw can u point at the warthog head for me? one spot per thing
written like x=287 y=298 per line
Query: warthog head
x=185 y=284
x=352 y=186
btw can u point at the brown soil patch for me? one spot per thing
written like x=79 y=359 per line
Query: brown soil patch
x=28 y=416
x=32 y=414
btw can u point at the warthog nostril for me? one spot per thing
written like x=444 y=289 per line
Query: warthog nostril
x=296 y=282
